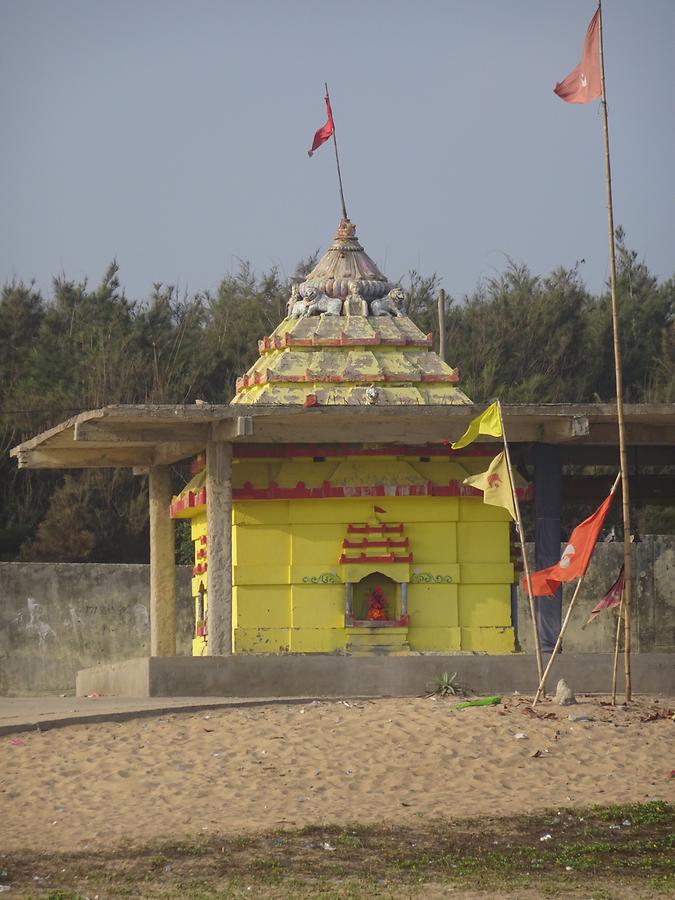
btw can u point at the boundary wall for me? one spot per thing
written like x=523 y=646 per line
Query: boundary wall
x=59 y=618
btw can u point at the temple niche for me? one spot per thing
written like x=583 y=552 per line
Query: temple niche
x=355 y=547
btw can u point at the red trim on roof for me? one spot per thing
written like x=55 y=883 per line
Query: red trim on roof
x=281 y=342
x=405 y=379
x=188 y=500
x=430 y=377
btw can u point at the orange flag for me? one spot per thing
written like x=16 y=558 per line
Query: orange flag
x=583 y=84
x=576 y=555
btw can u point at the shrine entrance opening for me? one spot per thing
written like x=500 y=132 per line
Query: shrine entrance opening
x=376 y=615
x=377 y=599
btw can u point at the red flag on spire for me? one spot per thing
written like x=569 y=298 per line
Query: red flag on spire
x=583 y=84
x=324 y=132
x=576 y=555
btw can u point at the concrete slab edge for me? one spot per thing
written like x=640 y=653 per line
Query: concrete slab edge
x=96 y=718
x=289 y=676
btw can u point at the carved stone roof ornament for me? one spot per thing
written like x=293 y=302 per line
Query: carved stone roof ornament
x=346 y=261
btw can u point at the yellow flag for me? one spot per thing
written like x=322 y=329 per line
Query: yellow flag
x=488 y=422
x=495 y=485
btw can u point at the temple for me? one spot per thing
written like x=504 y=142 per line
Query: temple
x=355 y=547
x=328 y=512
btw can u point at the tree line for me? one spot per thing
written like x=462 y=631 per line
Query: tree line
x=520 y=336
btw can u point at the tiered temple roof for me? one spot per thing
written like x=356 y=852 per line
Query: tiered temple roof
x=323 y=354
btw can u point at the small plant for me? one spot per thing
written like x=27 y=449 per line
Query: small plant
x=444 y=686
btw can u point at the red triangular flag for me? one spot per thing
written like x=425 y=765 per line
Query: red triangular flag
x=612 y=597
x=576 y=555
x=324 y=132
x=583 y=84
x=378 y=509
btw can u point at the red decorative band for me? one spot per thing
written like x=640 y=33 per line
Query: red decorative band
x=363 y=559
x=375 y=529
x=357 y=545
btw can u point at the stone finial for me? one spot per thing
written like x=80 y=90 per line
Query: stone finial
x=346 y=231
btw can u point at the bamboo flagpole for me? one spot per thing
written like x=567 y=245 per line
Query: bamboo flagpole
x=623 y=456
x=563 y=628
x=521 y=537
x=616 y=647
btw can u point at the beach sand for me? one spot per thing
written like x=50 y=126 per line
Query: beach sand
x=248 y=769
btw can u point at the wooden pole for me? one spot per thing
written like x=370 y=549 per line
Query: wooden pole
x=616 y=650
x=162 y=565
x=441 y=324
x=337 y=161
x=521 y=535
x=565 y=621
x=623 y=457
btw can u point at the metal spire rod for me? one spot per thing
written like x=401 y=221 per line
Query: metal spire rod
x=337 y=160
x=623 y=458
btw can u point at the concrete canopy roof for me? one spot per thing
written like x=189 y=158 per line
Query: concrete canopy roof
x=140 y=436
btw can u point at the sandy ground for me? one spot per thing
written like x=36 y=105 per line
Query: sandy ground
x=237 y=770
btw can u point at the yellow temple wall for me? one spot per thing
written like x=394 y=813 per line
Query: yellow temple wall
x=289 y=584
x=286 y=554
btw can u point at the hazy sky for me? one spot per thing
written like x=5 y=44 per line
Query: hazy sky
x=172 y=135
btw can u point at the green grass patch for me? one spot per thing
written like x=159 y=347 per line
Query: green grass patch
x=657 y=812
x=561 y=853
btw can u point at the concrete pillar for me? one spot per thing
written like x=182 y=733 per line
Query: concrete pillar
x=219 y=526
x=548 y=498
x=349 y=591
x=162 y=565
